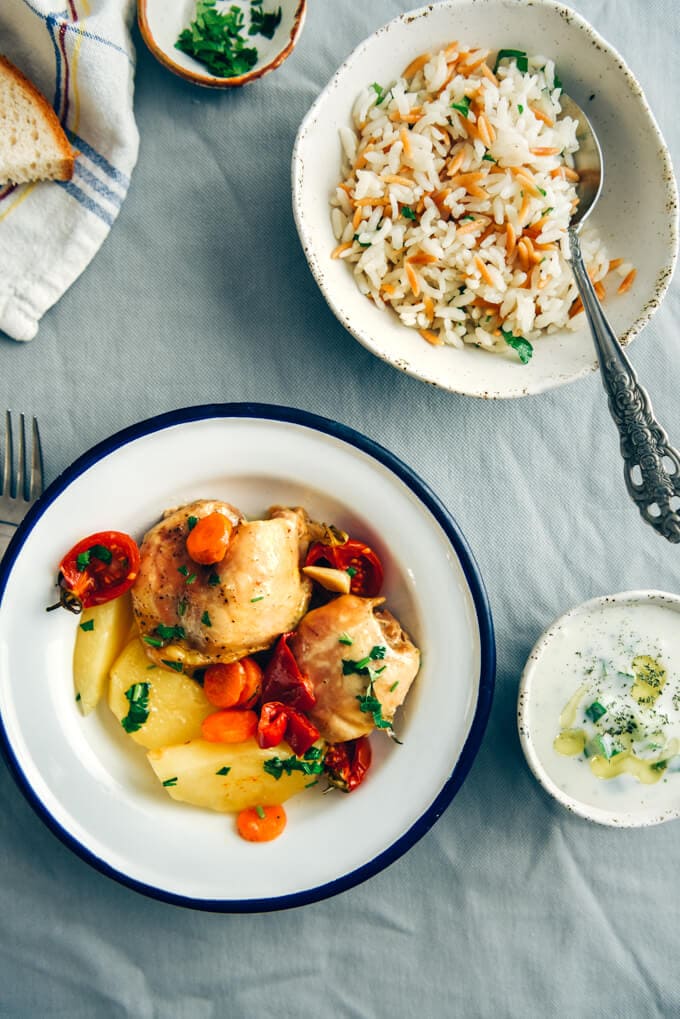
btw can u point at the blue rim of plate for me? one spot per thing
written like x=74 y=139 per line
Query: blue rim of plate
x=473 y=577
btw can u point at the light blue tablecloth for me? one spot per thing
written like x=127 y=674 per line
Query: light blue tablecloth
x=509 y=906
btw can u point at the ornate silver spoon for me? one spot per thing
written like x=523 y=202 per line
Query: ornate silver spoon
x=651 y=465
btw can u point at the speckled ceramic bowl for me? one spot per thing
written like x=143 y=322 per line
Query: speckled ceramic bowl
x=161 y=22
x=545 y=688
x=636 y=158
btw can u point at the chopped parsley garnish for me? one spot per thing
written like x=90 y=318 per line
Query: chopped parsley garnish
x=82 y=560
x=543 y=192
x=263 y=22
x=407 y=212
x=175 y=666
x=363 y=667
x=183 y=570
x=215 y=39
x=362 y=244
x=314 y=781
x=205 y=619
x=351 y=571
x=394 y=686
x=523 y=347
x=520 y=107
x=89 y=625
x=308 y=765
x=258 y=598
x=152 y=641
x=181 y=607
x=223 y=771
x=77 y=697
x=259 y=810
x=149 y=667
x=595 y=711
x=489 y=158
x=345 y=638
x=213 y=580
x=191 y=522
x=462 y=219
x=138 y=712
x=102 y=553
x=170 y=632
x=519 y=55
x=659 y=766
x=557 y=82
x=170 y=781
x=191 y=578
x=463 y=107
x=379 y=91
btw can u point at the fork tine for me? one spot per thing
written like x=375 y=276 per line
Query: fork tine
x=8 y=455
x=19 y=492
x=36 y=485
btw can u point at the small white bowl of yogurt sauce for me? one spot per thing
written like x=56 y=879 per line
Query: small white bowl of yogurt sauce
x=599 y=709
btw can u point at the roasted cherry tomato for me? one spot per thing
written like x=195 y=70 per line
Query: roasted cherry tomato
x=279 y=721
x=353 y=557
x=97 y=569
x=283 y=680
x=346 y=764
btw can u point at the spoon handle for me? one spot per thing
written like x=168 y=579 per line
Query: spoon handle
x=651 y=465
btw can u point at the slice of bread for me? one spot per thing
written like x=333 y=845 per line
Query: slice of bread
x=33 y=145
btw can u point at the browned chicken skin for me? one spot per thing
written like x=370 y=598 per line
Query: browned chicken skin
x=320 y=654
x=236 y=607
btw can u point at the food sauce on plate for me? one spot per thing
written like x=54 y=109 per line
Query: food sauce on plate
x=605 y=706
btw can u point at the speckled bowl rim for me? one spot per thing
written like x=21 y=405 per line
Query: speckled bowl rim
x=211 y=80
x=665 y=273
x=608 y=818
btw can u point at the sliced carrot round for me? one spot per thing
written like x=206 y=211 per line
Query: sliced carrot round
x=261 y=824
x=208 y=540
x=229 y=726
x=236 y=684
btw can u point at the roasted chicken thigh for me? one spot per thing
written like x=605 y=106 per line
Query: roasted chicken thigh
x=348 y=630
x=198 y=615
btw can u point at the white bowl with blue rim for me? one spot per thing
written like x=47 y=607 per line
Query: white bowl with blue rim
x=93 y=787
x=636 y=159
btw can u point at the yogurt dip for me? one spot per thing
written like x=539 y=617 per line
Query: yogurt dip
x=599 y=709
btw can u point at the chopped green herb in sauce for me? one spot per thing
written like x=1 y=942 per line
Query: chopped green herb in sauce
x=138 y=712
x=89 y=625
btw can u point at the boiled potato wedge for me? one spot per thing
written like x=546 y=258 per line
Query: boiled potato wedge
x=191 y=773
x=177 y=704
x=102 y=633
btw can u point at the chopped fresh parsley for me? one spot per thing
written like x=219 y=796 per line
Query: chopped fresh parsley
x=138 y=712
x=183 y=570
x=77 y=697
x=102 y=553
x=407 y=212
x=205 y=619
x=82 y=560
x=310 y=764
x=463 y=107
x=462 y=219
x=152 y=641
x=556 y=81
x=659 y=766
x=170 y=632
x=363 y=667
x=520 y=107
x=181 y=607
x=191 y=522
x=351 y=571
x=394 y=686
x=213 y=580
x=223 y=771
x=175 y=666
x=379 y=91
x=149 y=667
x=263 y=22
x=362 y=244
x=215 y=39
x=345 y=638
x=314 y=781
x=170 y=781
x=543 y=192
x=523 y=347
x=259 y=810
x=489 y=158
x=520 y=58
x=191 y=578
x=258 y=598
x=89 y=625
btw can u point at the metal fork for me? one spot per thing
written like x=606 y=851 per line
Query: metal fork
x=20 y=486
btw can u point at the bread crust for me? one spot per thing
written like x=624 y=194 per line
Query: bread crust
x=68 y=155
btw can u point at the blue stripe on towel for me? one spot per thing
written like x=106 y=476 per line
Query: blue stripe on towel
x=88 y=203
x=71 y=27
x=97 y=185
x=51 y=21
x=101 y=161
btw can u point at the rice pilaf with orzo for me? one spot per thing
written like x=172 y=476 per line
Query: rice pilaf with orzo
x=458 y=184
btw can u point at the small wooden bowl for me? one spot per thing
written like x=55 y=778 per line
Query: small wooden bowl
x=161 y=23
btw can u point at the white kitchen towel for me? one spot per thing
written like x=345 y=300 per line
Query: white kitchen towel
x=80 y=55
